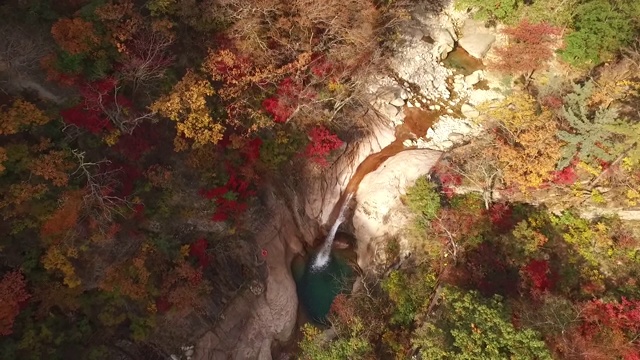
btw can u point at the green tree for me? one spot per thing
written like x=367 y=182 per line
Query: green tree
x=473 y=327
x=316 y=346
x=423 y=200
x=503 y=10
x=408 y=292
x=600 y=29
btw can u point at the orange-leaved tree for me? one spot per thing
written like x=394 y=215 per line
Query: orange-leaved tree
x=243 y=83
x=19 y=116
x=75 y=36
x=64 y=219
x=122 y=20
x=3 y=158
x=53 y=166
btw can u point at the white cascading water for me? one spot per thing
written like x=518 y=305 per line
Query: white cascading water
x=323 y=256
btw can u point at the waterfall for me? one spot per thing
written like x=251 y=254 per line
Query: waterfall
x=322 y=259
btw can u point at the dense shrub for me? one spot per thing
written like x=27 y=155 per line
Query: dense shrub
x=423 y=200
x=600 y=29
x=503 y=10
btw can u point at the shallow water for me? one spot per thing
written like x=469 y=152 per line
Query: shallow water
x=460 y=60
x=318 y=288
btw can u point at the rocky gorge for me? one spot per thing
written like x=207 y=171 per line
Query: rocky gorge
x=420 y=109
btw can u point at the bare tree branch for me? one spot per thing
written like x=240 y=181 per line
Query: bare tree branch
x=100 y=186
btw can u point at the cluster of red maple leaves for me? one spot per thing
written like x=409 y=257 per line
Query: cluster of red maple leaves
x=89 y=113
x=322 y=143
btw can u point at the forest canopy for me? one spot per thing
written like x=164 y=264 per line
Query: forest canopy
x=140 y=141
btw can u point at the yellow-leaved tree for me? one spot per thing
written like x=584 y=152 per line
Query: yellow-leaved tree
x=57 y=259
x=528 y=149
x=186 y=104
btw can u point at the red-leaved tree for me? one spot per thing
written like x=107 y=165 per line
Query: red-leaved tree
x=198 y=250
x=617 y=316
x=230 y=198
x=530 y=47
x=538 y=276
x=289 y=95
x=566 y=176
x=611 y=328
x=103 y=107
x=13 y=292
x=501 y=216
x=321 y=145
x=448 y=177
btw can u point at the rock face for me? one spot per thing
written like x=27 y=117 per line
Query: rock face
x=477 y=97
x=445 y=133
x=443 y=43
x=321 y=196
x=377 y=216
x=416 y=61
x=476 y=39
x=469 y=111
x=477 y=45
x=398 y=102
x=474 y=78
x=251 y=323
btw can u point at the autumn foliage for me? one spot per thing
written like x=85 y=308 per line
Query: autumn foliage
x=199 y=250
x=65 y=218
x=122 y=21
x=90 y=114
x=184 y=288
x=288 y=96
x=13 y=292
x=501 y=217
x=187 y=106
x=566 y=176
x=322 y=143
x=530 y=47
x=611 y=327
x=129 y=221
x=19 y=116
x=526 y=144
x=53 y=166
x=231 y=198
x=74 y=35
x=617 y=316
x=538 y=274
x=241 y=78
x=447 y=177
